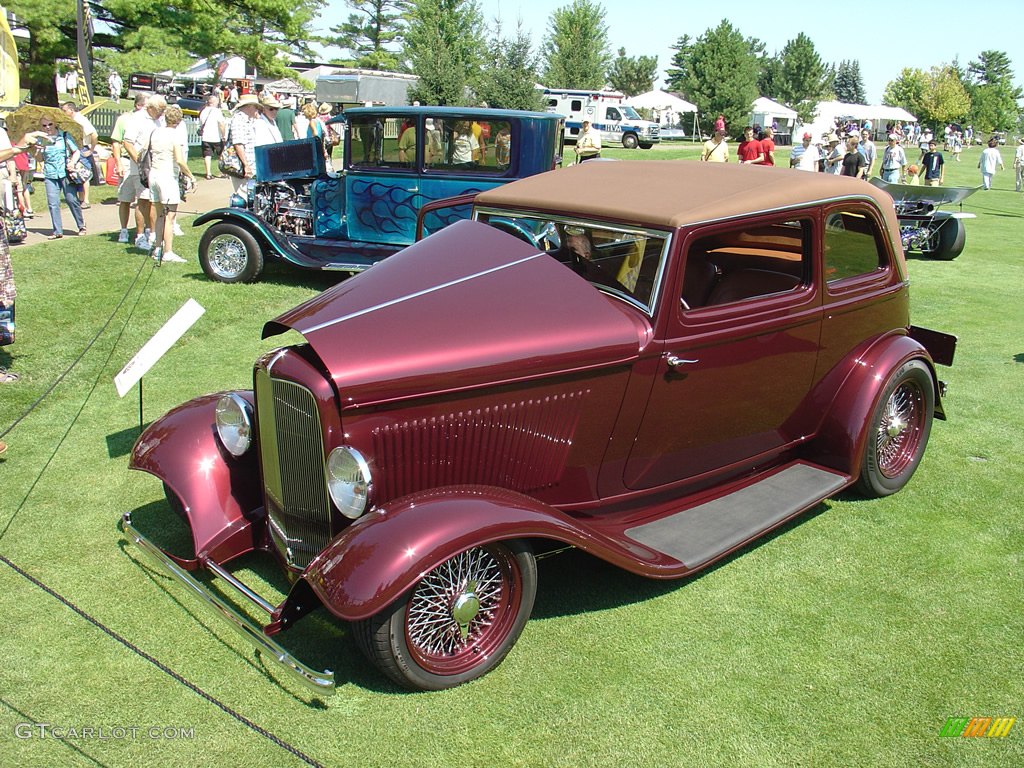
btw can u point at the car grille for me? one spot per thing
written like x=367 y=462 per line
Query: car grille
x=292 y=456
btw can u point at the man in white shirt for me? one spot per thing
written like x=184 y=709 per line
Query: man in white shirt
x=213 y=132
x=243 y=139
x=115 y=83
x=136 y=140
x=1018 y=165
x=588 y=143
x=806 y=156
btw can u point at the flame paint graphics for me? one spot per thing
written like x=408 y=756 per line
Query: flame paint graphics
x=392 y=210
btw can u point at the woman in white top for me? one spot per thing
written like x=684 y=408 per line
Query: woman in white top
x=166 y=164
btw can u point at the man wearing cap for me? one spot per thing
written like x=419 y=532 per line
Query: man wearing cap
x=806 y=156
x=1018 y=164
x=588 y=143
x=265 y=128
x=894 y=161
x=243 y=137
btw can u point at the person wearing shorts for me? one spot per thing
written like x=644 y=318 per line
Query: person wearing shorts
x=213 y=132
x=136 y=141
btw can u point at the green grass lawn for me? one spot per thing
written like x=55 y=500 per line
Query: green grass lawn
x=846 y=639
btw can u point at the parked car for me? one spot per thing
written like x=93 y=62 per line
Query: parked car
x=656 y=377
x=303 y=213
x=924 y=227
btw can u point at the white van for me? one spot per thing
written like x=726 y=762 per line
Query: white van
x=607 y=111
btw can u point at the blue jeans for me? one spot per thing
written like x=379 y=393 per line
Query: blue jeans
x=54 y=188
x=891 y=176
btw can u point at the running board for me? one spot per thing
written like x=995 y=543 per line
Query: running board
x=700 y=534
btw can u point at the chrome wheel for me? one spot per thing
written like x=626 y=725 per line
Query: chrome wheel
x=228 y=256
x=899 y=430
x=463 y=610
x=458 y=621
x=229 y=253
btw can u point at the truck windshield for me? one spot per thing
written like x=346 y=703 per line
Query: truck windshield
x=629 y=113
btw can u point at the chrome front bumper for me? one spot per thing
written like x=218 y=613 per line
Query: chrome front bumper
x=322 y=682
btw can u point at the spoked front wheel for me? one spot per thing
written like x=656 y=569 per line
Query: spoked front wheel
x=458 y=622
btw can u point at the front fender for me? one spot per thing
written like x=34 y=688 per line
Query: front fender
x=273 y=242
x=220 y=494
x=840 y=441
x=384 y=554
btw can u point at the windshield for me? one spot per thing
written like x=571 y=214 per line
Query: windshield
x=629 y=112
x=626 y=262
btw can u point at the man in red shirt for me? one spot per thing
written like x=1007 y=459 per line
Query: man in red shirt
x=749 y=150
x=768 y=147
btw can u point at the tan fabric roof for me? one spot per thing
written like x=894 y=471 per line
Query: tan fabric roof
x=674 y=193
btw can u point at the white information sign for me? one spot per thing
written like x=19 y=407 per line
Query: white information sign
x=157 y=346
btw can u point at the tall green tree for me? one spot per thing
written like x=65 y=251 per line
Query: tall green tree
x=373 y=33
x=849 y=85
x=995 y=100
x=52 y=35
x=718 y=72
x=935 y=98
x=574 y=53
x=907 y=90
x=633 y=75
x=445 y=44
x=508 y=79
x=802 y=79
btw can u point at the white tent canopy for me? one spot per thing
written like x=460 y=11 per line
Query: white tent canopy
x=766 y=112
x=880 y=115
x=668 y=108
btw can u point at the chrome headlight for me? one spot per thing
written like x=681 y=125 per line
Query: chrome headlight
x=348 y=481
x=234 y=423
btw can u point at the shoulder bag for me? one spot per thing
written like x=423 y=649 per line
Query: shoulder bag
x=146 y=160
x=229 y=162
x=80 y=172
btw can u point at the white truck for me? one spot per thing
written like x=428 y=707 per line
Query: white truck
x=607 y=112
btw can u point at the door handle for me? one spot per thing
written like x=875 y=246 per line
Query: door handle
x=678 y=362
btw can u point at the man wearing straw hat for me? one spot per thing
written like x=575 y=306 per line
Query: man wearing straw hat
x=243 y=138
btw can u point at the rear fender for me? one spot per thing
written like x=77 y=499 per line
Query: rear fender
x=220 y=494
x=381 y=556
x=840 y=441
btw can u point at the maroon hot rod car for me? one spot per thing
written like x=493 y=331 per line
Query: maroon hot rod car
x=654 y=362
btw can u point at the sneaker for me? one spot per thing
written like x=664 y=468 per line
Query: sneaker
x=177 y=229
x=141 y=241
x=123 y=237
x=173 y=258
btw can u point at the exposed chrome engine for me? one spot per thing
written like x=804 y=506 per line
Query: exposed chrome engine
x=284 y=205
x=916 y=237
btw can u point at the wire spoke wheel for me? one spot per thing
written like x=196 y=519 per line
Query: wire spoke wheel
x=458 y=621
x=899 y=430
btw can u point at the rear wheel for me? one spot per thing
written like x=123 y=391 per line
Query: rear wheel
x=948 y=241
x=458 y=622
x=629 y=141
x=229 y=253
x=898 y=432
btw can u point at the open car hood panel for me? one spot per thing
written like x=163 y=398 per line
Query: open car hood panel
x=465 y=307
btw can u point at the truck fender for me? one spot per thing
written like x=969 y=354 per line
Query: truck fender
x=381 y=556
x=840 y=441
x=219 y=494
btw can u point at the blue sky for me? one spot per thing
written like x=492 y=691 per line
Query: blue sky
x=884 y=38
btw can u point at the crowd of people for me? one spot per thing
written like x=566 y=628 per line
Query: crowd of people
x=848 y=150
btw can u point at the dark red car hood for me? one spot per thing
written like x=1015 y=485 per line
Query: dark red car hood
x=468 y=306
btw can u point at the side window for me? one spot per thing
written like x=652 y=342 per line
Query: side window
x=552 y=102
x=575 y=105
x=612 y=114
x=468 y=146
x=851 y=246
x=380 y=141
x=737 y=265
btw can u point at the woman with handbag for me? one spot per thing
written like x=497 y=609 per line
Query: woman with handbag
x=59 y=155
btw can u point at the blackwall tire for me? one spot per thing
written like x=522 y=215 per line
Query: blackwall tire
x=629 y=141
x=898 y=432
x=229 y=253
x=458 y=622
x=949 y=240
